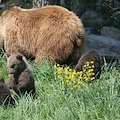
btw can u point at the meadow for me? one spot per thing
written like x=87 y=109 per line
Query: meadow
x=56 y=100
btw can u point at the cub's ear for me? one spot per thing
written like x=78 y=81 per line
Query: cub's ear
x=2 y=80
x=8 y=54
x=19 y=57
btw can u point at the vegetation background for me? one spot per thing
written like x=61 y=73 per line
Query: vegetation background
x=99 y=100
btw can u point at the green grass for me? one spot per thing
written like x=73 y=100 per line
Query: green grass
x=98 y=101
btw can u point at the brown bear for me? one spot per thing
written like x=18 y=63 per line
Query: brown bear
x=88 y=57
x=21 y=79
x=48 y=31
x=5 y=95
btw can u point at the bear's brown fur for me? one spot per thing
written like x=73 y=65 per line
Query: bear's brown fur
x=5 y=95
x=88 y=57
x=21 y=79
x=49 y=31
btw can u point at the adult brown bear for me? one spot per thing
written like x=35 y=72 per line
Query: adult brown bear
x=49 y=31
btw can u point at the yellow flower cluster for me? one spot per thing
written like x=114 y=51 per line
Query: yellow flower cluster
x=37 y=101
x=72 y=80
x=88 y=71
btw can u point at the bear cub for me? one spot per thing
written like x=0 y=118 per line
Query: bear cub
x=88 y=57
x=21 y=79
x=5 y=95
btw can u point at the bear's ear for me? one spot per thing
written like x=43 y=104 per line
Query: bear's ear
x=19 y=57
x=2 y=80
x=8 y=54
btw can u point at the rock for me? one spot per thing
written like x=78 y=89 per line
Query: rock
x=111 y=32
x=89 y=30
x=2 y=6
x=92 y=19
x=90 y=14
x=106 y=46
x=116 y=4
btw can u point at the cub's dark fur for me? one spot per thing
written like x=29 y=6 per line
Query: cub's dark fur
x=21 y=79
x=5 y=95
x=91 y=56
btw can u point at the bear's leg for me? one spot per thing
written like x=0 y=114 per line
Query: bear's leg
x=11 y=82
x=19 y=88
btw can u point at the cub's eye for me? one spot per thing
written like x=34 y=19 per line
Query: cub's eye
x=13 y=66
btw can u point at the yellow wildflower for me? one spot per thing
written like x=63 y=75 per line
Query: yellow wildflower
x=92 y=78
x=67 y=81
x=68 y=67
x=74 y=82
x=85 y=66
x=87 y=62
x=55 y=66
x=90 y=84
x=91 y=70
x=80 y=77
x=58 y=65
x=84 y=70
x=67 y=73
x=66 y=77
x=71 y=88
x=92 y=62
x=92 y=66
x=79 y=88
x=62 y=82
x=70 y=83
x=79 y=82
x=59 y=76
x=87 y=79
x=35 y=100
x=75 y=86
x=89 y=66
x=48 y=95
x=72 y=77
x=78 y=73
x=81 y=72
x=93 y=73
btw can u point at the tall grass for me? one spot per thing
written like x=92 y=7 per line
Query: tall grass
x=98 y=101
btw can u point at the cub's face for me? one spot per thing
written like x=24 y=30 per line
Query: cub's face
x=16 y=63
x=13 y=65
